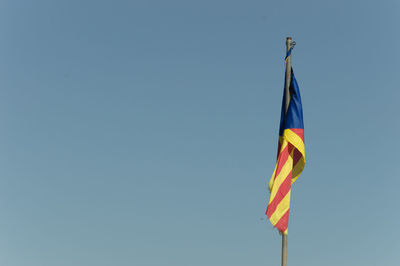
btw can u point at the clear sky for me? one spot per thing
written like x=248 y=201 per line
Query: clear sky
x=145 y=132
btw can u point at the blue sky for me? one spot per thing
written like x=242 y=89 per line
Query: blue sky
x=145 y=132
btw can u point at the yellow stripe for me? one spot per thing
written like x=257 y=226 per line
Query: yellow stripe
x=298 y=144
x=281 y=209
x=297 y=169
x=287 y=167
x=271 y=181
x=294 y=139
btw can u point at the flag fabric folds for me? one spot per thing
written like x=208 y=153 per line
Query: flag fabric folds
x=291 y=156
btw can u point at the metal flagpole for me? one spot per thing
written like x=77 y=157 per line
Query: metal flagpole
x=288 y=67
x=284 y=249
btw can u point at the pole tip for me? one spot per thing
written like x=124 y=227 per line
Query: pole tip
x=288 y=38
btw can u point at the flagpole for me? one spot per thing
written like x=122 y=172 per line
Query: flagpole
x=288 y=69
x=284 y=249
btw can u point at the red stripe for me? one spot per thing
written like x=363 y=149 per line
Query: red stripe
x=299 y=132
x=282 y=224
x=296 y=156
x=282 y=191
x=283 y=156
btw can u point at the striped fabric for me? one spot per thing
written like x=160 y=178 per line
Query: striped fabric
x=290 y=159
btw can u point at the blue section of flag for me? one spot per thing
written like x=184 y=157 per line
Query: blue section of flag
x=293 y=118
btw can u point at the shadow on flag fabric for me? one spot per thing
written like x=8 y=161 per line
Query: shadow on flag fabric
x=290 y=160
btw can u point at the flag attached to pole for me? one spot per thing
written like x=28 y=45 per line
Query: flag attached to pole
x=290 y=160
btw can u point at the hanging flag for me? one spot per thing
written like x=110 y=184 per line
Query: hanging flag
x=290 y=160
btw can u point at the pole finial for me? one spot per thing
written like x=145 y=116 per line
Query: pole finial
x=289 y=43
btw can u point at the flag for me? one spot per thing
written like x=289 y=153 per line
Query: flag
x=290 y=160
